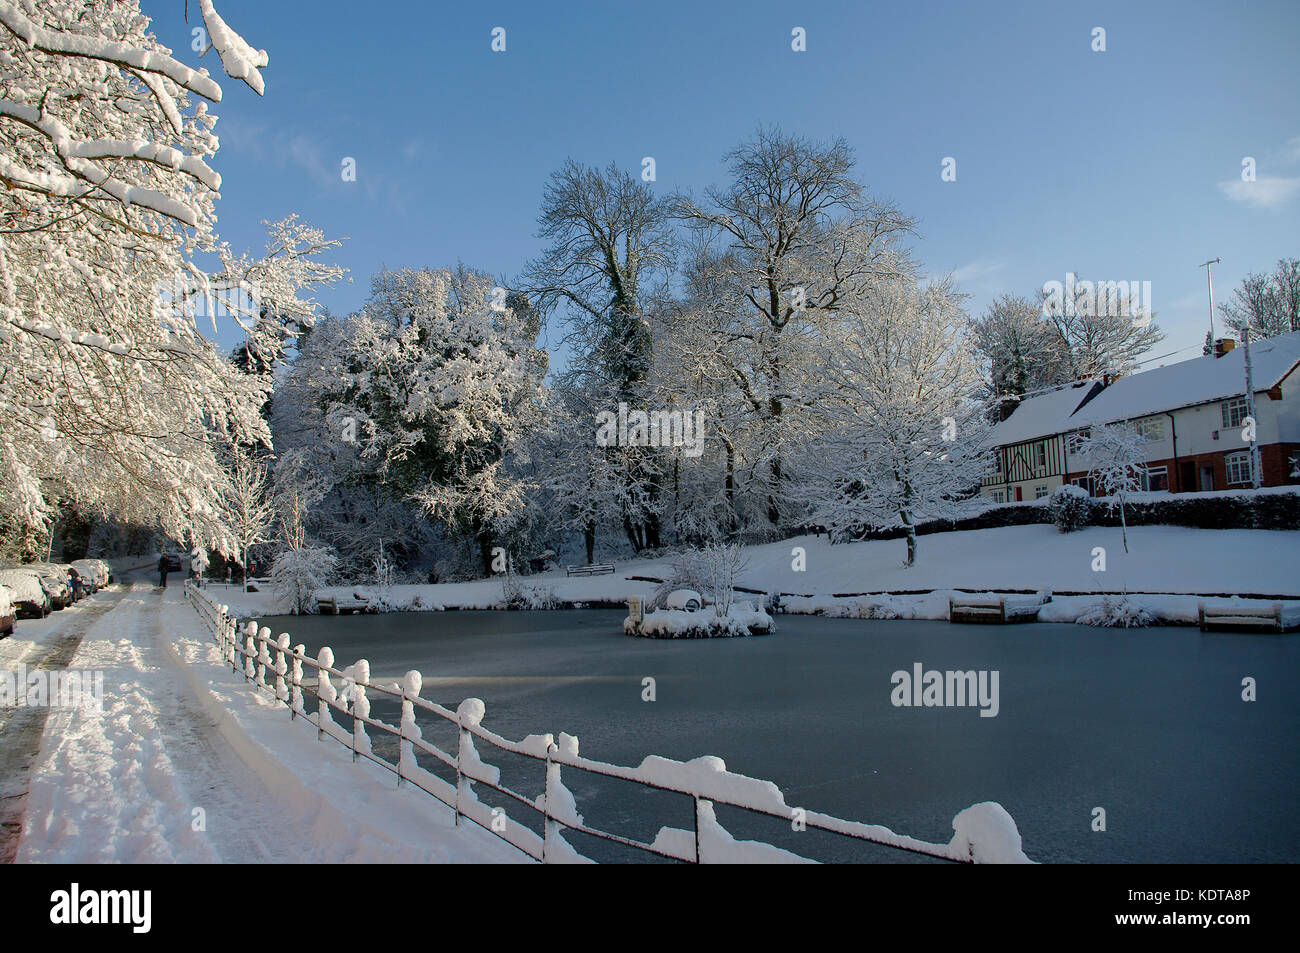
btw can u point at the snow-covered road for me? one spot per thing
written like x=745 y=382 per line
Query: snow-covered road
x=184 y=763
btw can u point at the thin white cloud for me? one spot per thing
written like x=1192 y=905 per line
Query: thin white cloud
x=1265 y=192
x=978 y=269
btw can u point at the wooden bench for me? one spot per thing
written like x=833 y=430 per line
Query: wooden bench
x=1251 y=618
x=992 y=611
x=340 y=605
x=597 y=569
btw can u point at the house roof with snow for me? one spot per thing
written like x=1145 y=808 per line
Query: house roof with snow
x=1188 y=383
x=1042 y=416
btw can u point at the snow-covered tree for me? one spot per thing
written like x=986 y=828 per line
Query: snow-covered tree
x=580 y=481
x=1268 y=304
x=1116 y=456
x=793 y=241
x=608 y=256
x=438 y=387
x=106 y=207
x=298 y=488
x=1102 y=330
x=296 y=574
x=249 y=508
x=903 y=437
x=1023 y=350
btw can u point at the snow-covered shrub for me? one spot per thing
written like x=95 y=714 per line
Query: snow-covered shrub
x=298 y=573
x=534 y=597
x=861 y=609
x=1116 y=612
x=1070 y=508
x=711 y=571
x=383 y=567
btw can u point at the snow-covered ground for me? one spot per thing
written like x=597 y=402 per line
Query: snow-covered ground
x=186 y=764
x=1175 y=560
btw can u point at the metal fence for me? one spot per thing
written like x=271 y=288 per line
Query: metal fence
x=276 y=668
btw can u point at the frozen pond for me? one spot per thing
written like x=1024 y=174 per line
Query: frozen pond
x=1148 y=724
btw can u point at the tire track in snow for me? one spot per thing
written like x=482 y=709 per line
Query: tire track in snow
x=104 y=789
x=215 y=776
x=21 y=729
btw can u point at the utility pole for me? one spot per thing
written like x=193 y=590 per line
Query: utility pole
x=1209 y=278
x=1253 y=421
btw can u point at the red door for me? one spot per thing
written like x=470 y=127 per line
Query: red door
x=1017 y=494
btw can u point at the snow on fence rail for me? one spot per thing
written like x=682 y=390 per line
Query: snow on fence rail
x=983 y=833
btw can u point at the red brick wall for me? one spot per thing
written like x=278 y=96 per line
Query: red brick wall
x=1274 y=459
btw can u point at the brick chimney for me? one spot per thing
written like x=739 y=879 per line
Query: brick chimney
x=1223 y=345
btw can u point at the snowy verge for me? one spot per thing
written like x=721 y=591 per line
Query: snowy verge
x=1170 y=566
x=357 y=813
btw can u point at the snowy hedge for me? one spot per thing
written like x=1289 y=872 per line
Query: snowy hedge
x=1271 y=508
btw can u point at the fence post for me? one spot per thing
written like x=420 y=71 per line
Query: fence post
x=231 y=628
x=696 y=799
x=462 y=735
x=250 y=651
x=410 y=733
x=324 y=689
x=547 y=825
x=281 y=668
x=295 y=681
x=263 y=655
x=360 y=709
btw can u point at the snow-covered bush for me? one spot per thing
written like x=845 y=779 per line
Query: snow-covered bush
x=1116 y=612
x=298 y=573
x=533 y=597
x=1070 y=508
x=711 y=571
x=862 y=609
x=383 y=567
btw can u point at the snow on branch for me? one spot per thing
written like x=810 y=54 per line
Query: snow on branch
x=239 y=60
x=59 y=43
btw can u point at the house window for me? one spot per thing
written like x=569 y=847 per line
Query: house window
x=1038 y=453
x=1155 y=478
x=1074 y=442
x=1238 y=467
x=997 y=462
x=1234 y=412
x=1085 y=482
x=1150 y=429
x=999 y=496
x=1040 y=491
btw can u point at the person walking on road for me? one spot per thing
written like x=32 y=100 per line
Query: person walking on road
x=162 y=571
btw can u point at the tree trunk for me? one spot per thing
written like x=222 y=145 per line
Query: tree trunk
x=905 y=513
x=1123 y=524
x=589 y=536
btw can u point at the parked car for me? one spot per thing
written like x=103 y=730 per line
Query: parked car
x=56 y=582
x=68 y=578
x=6 y=612
x=105 y=571
x=26 y=593
x=175 y=561
x=93 y=572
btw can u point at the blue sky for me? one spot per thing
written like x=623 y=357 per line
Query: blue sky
x=1116 y=165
